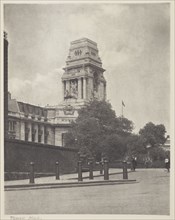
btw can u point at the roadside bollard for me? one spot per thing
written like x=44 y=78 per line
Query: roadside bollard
x=106 y=170
x=80 y=171
x=101 y=167
x=31 y=175
x=125 y=172
x=57 y=170
x=91 y=177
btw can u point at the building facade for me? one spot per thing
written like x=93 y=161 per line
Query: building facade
x=82 y=81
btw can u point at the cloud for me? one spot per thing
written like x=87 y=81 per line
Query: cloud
x=44 y=89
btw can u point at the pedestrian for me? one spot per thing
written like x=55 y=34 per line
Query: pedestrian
x=167 y=163
x=146 y=163
x=134 y=163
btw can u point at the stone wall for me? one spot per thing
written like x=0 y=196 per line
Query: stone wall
x=19 y=154
x=59 y=131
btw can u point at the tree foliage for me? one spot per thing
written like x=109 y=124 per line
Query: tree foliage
x=147 y=144
x=135 y=145
x=98 y=131
x=153 y=135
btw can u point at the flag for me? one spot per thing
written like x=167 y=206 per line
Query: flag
x=123 y=103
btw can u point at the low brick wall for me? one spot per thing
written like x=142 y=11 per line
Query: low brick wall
x=18 y=155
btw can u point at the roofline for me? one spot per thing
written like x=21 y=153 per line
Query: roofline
x=31 y=104
x=82 y=40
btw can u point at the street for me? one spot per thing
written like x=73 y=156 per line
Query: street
x=150 y=195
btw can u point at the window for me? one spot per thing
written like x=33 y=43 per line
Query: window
x=26 y=132
x=33 y=132
x=39 y=133
x=46 y=133
x=12 y=129
x=39 y=138
x=11 y=125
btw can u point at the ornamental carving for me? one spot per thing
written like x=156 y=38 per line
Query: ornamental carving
x=73 y=91
x=68 y=110
x=78 y=52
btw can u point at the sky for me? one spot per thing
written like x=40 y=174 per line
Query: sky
x=133 y=42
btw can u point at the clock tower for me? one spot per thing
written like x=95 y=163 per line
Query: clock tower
x=83 y=78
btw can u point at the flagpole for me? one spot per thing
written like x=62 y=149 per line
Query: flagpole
x=123 y=105
x=122 y=110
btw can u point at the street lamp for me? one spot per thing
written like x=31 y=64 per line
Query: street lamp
x=148 y=146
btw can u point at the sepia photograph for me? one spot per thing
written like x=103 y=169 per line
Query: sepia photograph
x=87 y=90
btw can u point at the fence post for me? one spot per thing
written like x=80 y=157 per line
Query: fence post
x=80 y=171
x=91 y=177
x=31 y=175
x=57 y=170
x=106 y=170
x=125 y=172
x=101 y=167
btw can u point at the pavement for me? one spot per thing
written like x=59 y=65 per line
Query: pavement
x=149 y=195
x=69 y=180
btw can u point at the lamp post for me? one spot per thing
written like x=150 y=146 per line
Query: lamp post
x=125 y=172
x=148 y=160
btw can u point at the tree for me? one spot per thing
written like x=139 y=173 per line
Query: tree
x=135 y=145
x=153 y=135
x=98 y=131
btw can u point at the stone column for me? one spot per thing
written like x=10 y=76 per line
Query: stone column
x=63 y=91
x=68 y=85
x=90 y=87
x=87 y=88
x=30 y=131
x=104 y=91
x=58 y=137
x=99 y=91
x=84 y=88
x=79 y=88
x=51 y=135
x=22 y=130
x=36 y=133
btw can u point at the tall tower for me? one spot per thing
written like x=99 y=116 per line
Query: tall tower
x=83 y=78
x=82 y=81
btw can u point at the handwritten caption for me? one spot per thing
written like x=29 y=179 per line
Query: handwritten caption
x=25 y=218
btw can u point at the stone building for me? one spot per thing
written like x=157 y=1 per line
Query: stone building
x=82 y=81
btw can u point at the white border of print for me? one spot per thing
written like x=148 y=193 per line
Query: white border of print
x=172 y=110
